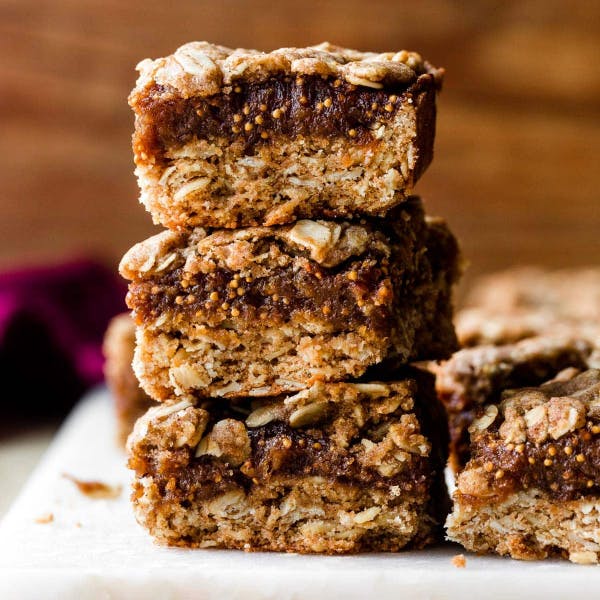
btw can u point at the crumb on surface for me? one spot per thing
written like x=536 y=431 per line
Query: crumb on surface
x=45 y=518
x=459 y=561
x=95 y=489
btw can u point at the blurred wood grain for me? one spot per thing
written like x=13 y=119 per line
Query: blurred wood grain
x=517 y=167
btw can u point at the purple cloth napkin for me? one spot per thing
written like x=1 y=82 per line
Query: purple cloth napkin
x=52 y=321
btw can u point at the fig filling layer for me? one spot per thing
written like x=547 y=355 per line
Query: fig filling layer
x=256 y=112
x=566 y=469
x=275 y=299
x=280 y=452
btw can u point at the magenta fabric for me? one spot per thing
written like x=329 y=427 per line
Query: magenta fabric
x=52 y=321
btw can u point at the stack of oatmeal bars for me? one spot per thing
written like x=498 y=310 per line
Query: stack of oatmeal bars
x=277 y=313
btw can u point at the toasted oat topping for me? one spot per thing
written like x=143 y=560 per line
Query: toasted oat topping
x=554 y=409
x=203 y=69
x=565 y=293
x=337 y=415
x=326 y=242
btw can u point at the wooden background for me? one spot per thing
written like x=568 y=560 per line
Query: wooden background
x=517 y=167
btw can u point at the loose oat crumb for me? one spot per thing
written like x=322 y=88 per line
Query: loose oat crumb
x=459 y=561
x=45 y=518
x=95 y=489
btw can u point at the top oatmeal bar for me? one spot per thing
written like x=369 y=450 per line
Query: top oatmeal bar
x=235 y=138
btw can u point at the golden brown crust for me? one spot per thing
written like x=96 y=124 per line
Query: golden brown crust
x=530 y=526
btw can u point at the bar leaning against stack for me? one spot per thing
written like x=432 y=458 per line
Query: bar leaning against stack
x=531 y=487
x=527 y=389
x=279 y=285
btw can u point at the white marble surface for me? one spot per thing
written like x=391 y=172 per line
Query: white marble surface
x=19 y=453
x=94 y=548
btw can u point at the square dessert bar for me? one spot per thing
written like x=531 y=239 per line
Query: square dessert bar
x=237 y=138
x=476 y=326
x=335 y=468
x=130 y=401
x=532 y=486
x=510 y=305
x=476 y=377
x=261 y=311
x=568 y=293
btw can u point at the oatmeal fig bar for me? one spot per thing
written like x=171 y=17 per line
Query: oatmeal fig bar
x=568 y=293
x=335 y=468
x=130 y=401
x=532 y=487
x=237 y=138
x=482 y=326
x=476 y=377
x=260 y=311
x=523 y=302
